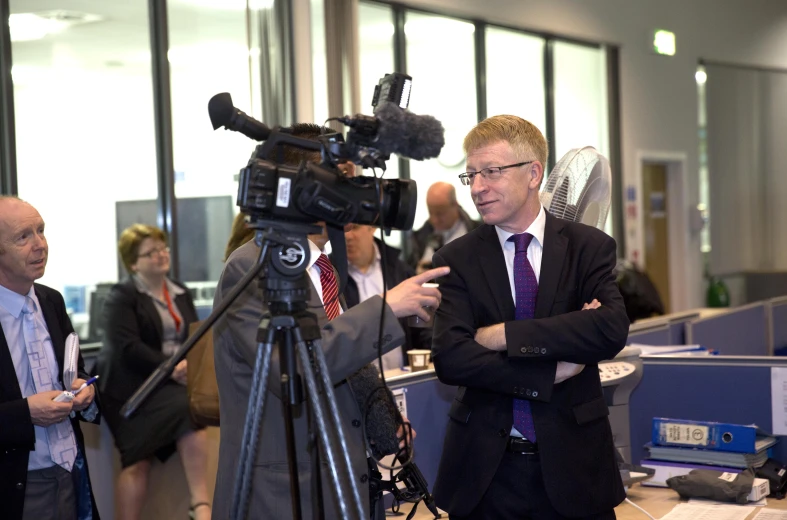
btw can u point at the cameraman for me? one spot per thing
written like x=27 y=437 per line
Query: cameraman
x=349 y=342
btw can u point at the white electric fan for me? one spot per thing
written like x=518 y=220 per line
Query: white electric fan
x=579 y=188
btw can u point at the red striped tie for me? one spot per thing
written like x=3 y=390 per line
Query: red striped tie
x=330 y=290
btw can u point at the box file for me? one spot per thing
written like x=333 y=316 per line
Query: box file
x=738 y=438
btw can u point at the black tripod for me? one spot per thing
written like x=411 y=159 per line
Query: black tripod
x=281 y=269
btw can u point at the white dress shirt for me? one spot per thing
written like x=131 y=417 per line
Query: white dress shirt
x=370 y=284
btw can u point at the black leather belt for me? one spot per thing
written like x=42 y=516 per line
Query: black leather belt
x=521 y=446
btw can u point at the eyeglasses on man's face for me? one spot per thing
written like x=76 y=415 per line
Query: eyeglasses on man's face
x=492 y=173
x=163 y=250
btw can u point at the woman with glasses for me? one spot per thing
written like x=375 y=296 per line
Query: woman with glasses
x=146 y=320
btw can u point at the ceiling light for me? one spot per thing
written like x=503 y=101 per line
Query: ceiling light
x=35 y=26
x=29 y=26
x=701 y=76
x=664 y=42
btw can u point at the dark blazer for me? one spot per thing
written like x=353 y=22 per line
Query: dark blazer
x=17 y=437
x=419 y=239
x=396 y=271
x=575 y=441
x=132 y=338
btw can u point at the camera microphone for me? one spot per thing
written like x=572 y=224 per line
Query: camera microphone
x=397 y=131
x=223 y=113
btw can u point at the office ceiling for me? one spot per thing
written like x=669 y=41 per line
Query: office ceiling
x=120 y=38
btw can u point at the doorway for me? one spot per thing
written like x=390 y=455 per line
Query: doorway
x=655 y=216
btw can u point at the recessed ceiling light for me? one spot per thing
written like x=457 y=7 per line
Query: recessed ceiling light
x=35 y=26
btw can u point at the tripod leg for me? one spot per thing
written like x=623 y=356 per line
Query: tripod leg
x=339 y=481
x=322 y=368
x=251 y=429
x=318 y=507
x=290 y=392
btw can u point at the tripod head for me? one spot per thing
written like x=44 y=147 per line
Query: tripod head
x=285 y=255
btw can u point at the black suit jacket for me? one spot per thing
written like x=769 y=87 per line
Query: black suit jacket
x=17 y=437
x=132 y=338
x=574 y=437
x=396 y=271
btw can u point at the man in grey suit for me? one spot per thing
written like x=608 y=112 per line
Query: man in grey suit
x=349 y=343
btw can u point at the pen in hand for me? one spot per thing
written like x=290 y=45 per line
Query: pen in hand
x=86 y=384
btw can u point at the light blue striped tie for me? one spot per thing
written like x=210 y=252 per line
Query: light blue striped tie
x=62 y=443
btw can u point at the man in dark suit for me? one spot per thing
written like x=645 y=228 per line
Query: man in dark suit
x=447 y=221
x=512 y=334
x=43 y=471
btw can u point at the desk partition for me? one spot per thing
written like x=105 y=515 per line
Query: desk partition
x=742 y=331
x=779 y=326
x=733 y=389
x=653 y=334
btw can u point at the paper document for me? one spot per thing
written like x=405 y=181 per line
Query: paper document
x=70 y=360
x=759 y=503
x=401 y=400
x=697 y=511
x=779 y=400
x=771 y=514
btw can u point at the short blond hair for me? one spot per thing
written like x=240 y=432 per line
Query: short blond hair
x=130 y=240
x=525 y=138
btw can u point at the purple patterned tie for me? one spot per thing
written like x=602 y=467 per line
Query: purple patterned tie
x=526 y=288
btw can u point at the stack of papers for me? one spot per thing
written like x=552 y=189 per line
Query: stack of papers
x=699 y=511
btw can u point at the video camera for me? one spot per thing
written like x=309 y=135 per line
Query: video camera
x=314 y=192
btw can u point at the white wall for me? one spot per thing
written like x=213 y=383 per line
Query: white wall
x=658 y=94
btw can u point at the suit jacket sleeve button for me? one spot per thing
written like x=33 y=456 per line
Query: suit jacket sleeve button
x=364 y=478
x=529 y=392
x=19 y=485
x=356 y=423
x=523 y=350
x=543 y=350
x=530 y=350
x=535 y=393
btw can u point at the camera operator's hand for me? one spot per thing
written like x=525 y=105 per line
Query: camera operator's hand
x=180 y=374
x=409 y=297
x=405 y=434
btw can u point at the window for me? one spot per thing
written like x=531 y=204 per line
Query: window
x=515 y=76
x=441 y=60
x=208 y=54
x=377 y=59
x=86 y=83
x=581 y=114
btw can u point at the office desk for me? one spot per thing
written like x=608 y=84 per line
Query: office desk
x=656 y=501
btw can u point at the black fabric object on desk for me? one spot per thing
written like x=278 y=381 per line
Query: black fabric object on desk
x=704 y=483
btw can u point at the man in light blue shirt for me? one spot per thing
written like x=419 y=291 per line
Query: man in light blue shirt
x=43 y=472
